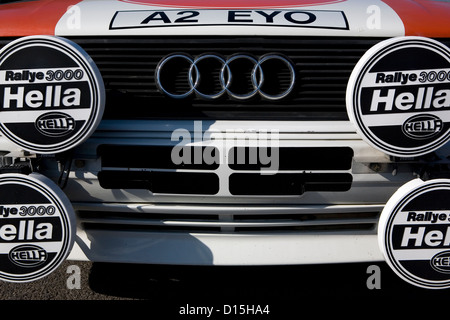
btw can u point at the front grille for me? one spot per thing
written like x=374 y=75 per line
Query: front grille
x=229 y=219
x=322 y=65
x=298 y=170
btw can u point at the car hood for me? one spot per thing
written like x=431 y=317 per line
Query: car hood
x=365 y=18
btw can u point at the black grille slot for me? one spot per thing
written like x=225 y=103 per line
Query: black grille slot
x=246 y=158
x=161 y=182
x=288 y=183
x=322 y=65
x=160 y=157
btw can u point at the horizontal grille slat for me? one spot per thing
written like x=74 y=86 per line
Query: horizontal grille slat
x=113 y=218
x=224 y=224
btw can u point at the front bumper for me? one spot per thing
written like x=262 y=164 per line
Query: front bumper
x=225 y=249
x=141 y=226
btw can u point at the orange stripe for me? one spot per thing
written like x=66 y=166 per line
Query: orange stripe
x=423 y=17
x=32 y=18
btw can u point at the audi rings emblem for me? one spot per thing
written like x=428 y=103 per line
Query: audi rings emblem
x=239 y=76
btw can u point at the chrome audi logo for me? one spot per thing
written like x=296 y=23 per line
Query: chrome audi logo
x=211 y=76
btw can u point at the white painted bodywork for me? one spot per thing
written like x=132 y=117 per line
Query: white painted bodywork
x=370 y=189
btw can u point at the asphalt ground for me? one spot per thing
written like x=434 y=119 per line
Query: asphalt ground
x=170 y=291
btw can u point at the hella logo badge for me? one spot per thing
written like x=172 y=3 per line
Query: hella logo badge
x=422 y=126
x=28 y=255
x=55 y=124
x=414 y=233
x=37 y=227
x=441 y=262
x=52 y=94
x=401 y=105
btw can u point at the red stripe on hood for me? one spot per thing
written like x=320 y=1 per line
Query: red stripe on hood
x=423 y=17
x=32 y=18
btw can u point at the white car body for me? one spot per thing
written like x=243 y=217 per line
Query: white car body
x=226 y=227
